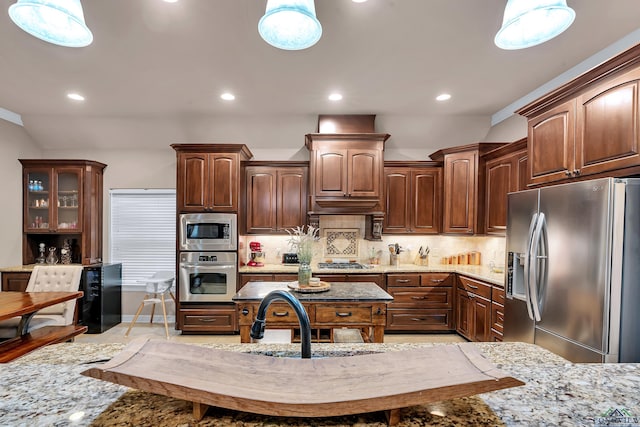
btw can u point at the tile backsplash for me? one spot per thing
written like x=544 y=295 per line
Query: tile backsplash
x=341 y=239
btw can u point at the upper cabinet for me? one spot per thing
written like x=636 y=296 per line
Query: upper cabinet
x=62 y=200
x=589 y=127
x=208 y=176
x=505 y=172
x=464 y=187
x=275 y=196
x=413 y=198
x=346 y=176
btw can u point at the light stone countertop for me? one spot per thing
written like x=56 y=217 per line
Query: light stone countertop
x=45 y=388
x=480 y=272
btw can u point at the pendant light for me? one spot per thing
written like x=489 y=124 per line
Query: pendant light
x=528 y=23
x=59 y=22
x=290 y=24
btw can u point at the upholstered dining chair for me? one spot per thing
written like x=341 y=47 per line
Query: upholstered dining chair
x=48 y=278
x=157 y=287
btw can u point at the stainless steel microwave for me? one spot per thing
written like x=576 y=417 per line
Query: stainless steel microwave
x=208 y=232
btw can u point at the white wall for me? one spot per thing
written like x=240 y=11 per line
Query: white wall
x=15 y=144
x=511 y=129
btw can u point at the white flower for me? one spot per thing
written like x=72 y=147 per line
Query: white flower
x=302 y=242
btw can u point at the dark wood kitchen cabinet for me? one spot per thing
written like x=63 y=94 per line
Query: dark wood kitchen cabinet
x=208 y=176
x=497 y=313
x=213 y=318
x=275 y=197
x=62 y=200
x=463 y=197
x=15 y=281
x=413 y=198
x=421 y=302
x=505 y=172
x=346 y=176
x=473 y=309
x=590 y=127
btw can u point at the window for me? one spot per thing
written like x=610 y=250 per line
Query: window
x=143 y=232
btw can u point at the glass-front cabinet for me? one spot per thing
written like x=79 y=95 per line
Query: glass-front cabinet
x=53 y=200
x=62 y=208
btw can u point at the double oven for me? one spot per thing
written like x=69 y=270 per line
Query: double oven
x=208 y=257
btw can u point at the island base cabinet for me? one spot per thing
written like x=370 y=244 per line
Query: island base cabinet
x=219 y=318
x=412 y=319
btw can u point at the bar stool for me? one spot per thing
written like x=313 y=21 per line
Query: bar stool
x=158 y=286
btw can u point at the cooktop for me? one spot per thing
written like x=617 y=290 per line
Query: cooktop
x=340 y=265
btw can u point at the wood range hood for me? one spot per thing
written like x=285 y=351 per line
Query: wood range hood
x=346 y=164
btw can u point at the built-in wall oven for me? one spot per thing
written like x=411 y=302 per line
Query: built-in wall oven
x=208 y=232
x=207 y=276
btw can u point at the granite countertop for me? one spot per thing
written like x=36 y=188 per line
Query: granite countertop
x=481 y=272
x=340 y=291
x=46 y=388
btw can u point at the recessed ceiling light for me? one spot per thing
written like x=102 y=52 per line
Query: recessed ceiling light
x=335 y=97
x=171 y=1
x=228 y=96
x=75 y=96
x=358 y=1
x=443 y=97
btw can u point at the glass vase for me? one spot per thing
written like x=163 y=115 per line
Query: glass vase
x=52 y=258
x=304 y=274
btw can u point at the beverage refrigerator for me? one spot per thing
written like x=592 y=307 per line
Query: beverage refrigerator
x=573 y=269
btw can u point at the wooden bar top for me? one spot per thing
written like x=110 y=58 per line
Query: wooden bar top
x=19 y=303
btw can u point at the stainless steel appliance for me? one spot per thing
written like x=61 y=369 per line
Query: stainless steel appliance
x=208 y=232
x=573 y=269
x=207 y=276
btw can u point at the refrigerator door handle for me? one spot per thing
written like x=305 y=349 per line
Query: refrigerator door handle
x=527 y=266
x=538 y=261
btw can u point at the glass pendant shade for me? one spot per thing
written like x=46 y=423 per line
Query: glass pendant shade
x=59 y=22
x=528 y=23
x=290 y=24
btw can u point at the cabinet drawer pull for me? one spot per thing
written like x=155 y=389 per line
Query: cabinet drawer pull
x=339 y=314
x=416 y=319
x=470 y=295
x=437 y=280
x=281 y=313
x=207 y=319
x=419 y=298
x=472 y=287
x=403 y=280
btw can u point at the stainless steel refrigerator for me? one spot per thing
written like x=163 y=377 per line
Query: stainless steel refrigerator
x=573 y=269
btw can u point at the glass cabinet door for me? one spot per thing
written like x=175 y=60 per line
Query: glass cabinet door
x=68 y=199
x=38 y=200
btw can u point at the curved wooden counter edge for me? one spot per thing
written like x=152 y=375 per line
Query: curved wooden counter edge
x=317 y=387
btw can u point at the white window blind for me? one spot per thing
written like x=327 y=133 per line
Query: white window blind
x=143 y=232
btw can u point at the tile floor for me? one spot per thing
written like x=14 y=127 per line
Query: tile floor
x=156 y=330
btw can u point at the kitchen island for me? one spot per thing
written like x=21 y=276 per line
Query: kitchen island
x=46 y=388
x=344 y=305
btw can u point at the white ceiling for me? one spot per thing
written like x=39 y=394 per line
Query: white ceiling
x=155 y=70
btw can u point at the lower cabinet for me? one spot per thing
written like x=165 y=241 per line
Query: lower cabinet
x=221 y=317
x=473 y=309
x=421 y=302
x=15 y=281
x=378 y=279
x=265 y=277
x=497 y=313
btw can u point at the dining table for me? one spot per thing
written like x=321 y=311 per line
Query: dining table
x=26 y=305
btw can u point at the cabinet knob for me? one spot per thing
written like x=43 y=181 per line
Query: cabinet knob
x=567 y=173
x=245 y=311
x=576 y=172
x=344 y=194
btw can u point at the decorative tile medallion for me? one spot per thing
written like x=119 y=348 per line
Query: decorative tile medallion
x=341 y=242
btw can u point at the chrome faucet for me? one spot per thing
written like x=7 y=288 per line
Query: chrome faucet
x=257 y=329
